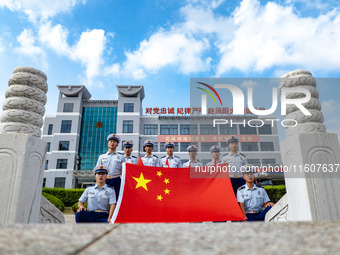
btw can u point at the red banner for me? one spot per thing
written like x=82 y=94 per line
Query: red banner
x=161 y=195
x=205 y=138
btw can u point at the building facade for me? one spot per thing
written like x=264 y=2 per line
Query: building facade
x=76 y=136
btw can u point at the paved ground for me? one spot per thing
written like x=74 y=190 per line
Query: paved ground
x=69 y=219
x=206 y=238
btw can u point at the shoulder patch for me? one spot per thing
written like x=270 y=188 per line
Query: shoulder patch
x=242 y=187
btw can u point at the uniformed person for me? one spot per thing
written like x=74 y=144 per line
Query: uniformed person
x=128 y=158
x=100 y=198
x=193 y=162
x=170 y=160
x=235 y=162
x=215 y=153
x=252 y=199
x=149 y=159
x=113 y=160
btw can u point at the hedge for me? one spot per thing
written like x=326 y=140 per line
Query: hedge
x=70 y=197
x=67 y=196
x=75 y=206
x=275 y=192
x=54 y=200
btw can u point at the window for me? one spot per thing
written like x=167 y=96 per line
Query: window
x=267 y=146
x=61 y=163
x=46 y=164
x=184 y=146
x=48 y=147
x=155 y=147
x=64 y=145
x=224 y=147
x=59 y=182
x=68 y=107
x=207 y=146
x=247 y=130
x=169 y=130
x=127 y=126
x=66 y=126
x=150 y=129
x=254 y=162
x=269 y=161
x=44 y=183
x=162 y=149
x=249 y=146
x=128 y=107
x=50 y=129
x=208 y=130
x=266 y=129
x=188 y=130
x=227 y=130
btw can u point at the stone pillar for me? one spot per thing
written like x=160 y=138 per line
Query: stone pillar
x=310 y=153
x=22 y=152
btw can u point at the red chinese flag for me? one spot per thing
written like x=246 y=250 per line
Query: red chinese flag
x=158 y=195
x=140 y=161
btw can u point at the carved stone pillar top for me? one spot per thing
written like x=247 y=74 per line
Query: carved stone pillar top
x=23 y=109
x=304 y=123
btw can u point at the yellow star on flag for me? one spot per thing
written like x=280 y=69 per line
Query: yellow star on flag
x=167 y=191
x=141 y=182
x=159 y=197
x=159 y=173
x=166 y=181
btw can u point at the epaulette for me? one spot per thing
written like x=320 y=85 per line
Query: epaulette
x=134 y=156
x=176 y=157
x=242 y=154
x=198 y=160
x=242 y=187
x=110 y=186
x=154 y=156
x=226 y=154
x=163 y=157
x=120 y=153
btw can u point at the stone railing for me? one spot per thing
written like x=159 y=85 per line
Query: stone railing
x=49 y=213
x=279 y=212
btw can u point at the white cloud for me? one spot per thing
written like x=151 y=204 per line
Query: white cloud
x=273 y=35
x=249 y=84
x=329 y=107
x=2 y=46
x=89 y=50
x=166 y=48
x=54 y=38
x=43 y=9
x=27 y=47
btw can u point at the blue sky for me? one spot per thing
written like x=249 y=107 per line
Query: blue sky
x=162 y=44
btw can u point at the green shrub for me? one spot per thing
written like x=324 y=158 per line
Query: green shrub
x=55 y=201
x=67 y=196
x=75 y=206
x=275 y=193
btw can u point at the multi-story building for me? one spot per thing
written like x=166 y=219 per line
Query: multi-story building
x=76 y=136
